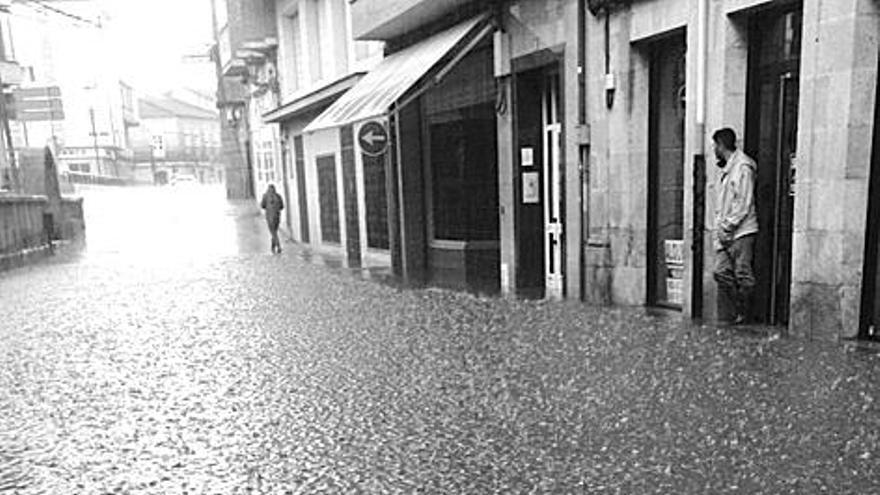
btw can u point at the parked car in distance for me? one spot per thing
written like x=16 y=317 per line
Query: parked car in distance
x=183 y=180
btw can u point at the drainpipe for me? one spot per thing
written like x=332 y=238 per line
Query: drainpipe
x=702 y=55
x=699 y=163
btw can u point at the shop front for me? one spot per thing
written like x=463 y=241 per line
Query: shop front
x=434 y=102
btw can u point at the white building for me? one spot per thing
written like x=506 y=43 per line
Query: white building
x=328 y=188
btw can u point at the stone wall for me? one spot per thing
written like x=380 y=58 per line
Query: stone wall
x=838 y=81
x=24 y=234
x=21 y=228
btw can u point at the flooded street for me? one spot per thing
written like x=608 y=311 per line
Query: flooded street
x=175 y=355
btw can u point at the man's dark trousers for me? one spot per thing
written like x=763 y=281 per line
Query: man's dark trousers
x=735 y=278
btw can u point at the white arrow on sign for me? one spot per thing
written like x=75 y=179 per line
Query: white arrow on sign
x=371 y=138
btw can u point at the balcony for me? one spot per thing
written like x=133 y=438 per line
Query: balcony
x=388 y=19
x=248 y=34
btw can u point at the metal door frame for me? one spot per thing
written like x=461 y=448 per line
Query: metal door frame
x=552 y=169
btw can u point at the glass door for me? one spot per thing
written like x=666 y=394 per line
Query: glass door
x=771 y=139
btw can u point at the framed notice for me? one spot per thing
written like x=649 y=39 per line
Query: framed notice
x=527 y=157
x=674 y=251
x=531 y=188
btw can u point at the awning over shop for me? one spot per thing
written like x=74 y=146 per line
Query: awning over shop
x=312 y=101
x=397 y=73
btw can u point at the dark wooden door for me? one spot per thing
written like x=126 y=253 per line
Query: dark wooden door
x=528 y=161
x=302 y=196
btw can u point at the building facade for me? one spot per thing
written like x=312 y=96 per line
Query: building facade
x=335 y=195
x=600 y=181
x=244 y=54
x=176 y=138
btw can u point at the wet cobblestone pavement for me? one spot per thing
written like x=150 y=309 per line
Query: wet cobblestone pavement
x=226 y=371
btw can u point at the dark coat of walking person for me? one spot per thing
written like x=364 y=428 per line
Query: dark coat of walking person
x=273 y=204
x=736 y=227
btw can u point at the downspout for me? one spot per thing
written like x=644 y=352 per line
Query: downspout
x=699 y=163
x=702 y=54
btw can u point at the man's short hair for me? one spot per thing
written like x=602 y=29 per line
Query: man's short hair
x=725 y=137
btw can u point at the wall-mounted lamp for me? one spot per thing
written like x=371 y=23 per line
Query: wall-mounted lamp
x=610 y=89
x=604 y=7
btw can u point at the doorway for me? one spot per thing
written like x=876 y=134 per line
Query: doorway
x=538 y=182
x=771 y=139
x=666 y=153
x=869 y=324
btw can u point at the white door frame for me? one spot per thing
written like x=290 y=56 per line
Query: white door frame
x=553 y=227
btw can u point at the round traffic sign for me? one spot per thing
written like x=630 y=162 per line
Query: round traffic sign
x=373 y=138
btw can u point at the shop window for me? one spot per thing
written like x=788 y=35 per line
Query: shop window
x=376 y=202
x=329 y=199
x=462 y=150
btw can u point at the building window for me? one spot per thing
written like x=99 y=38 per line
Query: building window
x=269 y=161
x=317 y=28
x=295 y=58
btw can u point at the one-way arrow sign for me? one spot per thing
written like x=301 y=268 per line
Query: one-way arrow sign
x=373 y=138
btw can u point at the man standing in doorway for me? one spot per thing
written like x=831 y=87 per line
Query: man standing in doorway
x=736 y=227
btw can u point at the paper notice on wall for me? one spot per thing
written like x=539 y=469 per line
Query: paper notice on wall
x=674 y=256
x=531 y=188
x=675 y=291
x=674 y=251
x=527 y=157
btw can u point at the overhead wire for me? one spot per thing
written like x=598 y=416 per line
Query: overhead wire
x=44 y=7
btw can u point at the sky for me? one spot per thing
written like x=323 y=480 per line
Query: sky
x=150 y=38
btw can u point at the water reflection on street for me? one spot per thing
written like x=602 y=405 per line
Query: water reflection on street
x=178 y=356
x=168 y=224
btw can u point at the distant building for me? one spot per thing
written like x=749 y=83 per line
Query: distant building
x=98 y=107
x=176 y=138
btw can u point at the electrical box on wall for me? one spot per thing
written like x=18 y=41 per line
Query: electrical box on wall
x=502 y=54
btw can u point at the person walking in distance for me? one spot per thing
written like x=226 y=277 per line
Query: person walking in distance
x=273 y=204
x=736 y=227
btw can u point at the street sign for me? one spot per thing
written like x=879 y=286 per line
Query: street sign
x=38 y=104
x=373 y=138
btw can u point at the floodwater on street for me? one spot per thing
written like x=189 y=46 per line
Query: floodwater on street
x=176 y=355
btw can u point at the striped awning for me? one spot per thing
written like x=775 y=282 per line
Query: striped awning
x=373 y=95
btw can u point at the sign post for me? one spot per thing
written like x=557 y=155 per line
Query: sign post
x=373 y=138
